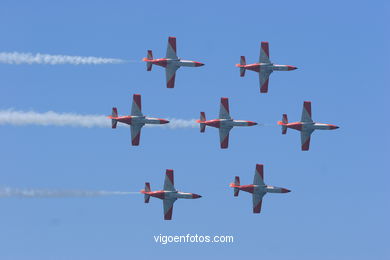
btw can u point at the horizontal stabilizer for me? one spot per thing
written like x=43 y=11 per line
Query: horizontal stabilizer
x=284 y=121
x=149 y=64
x=236 y=183
x=114 y=114
x=147 y=189
x=201 y=121
x=242 y=62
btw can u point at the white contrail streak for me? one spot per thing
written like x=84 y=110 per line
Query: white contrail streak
x=50 y=118
x=39 y=193
x=29 y=58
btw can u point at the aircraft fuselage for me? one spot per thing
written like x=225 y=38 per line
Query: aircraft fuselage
x=307 y=126
x=218 y=123
x=257 y=67
x=259 y=189
x=171 y=195
x=140 y=120
x=174 y=63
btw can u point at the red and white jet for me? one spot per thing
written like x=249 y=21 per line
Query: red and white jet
x=306 y=126
x=168 y=195
x=265 y=67
x=171 y=62
x=258 y=188
x=225 y=123
x=136 y=120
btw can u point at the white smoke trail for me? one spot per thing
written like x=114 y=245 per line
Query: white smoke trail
x=29 y=58
x=39 y=193
x=50 y=118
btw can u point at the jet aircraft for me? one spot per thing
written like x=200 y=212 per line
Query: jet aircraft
x=265 y=67
x=171 y=62
x=225 y=123
x=258 y=188
x=168 y=195
x=306 y=126
x=136 y=120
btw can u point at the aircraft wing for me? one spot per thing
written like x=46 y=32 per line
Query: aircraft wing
x=258 y=179
x=169 y=184
x=168 y=208
x=224 y=136
x=306 y=112
x=170 y=73
x=257 y=201
x=136 y=109
x=264 y=53
x=135 y=134
x=171 y=49
x=224 y=109
x=305 y=139
x=264 y=78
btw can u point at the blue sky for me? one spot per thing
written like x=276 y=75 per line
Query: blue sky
x=338 y=207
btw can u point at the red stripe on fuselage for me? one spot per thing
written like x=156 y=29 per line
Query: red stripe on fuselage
x=159 y=62
x=252 y=67
x=156 y=194
x=214 y=123
x=297 y=126
x=247 y=188
x=124 y=119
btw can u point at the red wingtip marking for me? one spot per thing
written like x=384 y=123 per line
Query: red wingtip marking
x=225 y=142
x=169 y=173
x=265 y=47
x=168 y=214
x=172 y=42
x=135 y=141
x=171 y=82
x=264 y=87
x=137 y=100
x=306 y=145
x=260 y=170
x=257 y=209
x=225 y=103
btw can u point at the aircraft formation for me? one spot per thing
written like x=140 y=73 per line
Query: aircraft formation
x=171 y=62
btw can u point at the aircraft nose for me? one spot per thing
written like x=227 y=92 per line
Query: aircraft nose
x=334 y=127
x=163 y=121
x=285 y=190
x=251 y=123
x=196 y=196
x=292 y=68
x=198 y=64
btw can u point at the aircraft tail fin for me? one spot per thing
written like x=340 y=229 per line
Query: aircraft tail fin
x=242 y=69
x=147 y=189
x=236 y=183
x=149 y=57
x=114 y=114
x=202 y=119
